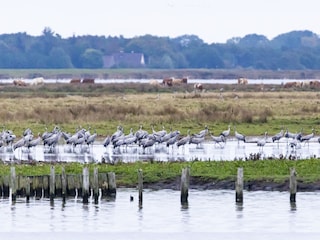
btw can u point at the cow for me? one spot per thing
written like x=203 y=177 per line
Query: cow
x=179 y=81
x=167 y=82
x=198 y=87
x=37 y=81
x=154 y=82
x=19 y=82
x=75 y=80
x=242 y=81
x=88 y=80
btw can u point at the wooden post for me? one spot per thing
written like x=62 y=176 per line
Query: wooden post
x=52 y=183
x=85 y=185
x=13 y=184
x=112 y=188
x=140 y=185
x=293 y=185
x=64 y=185
x=28 y=189
x=239 y=186
x=185 y=185
x=95 y=185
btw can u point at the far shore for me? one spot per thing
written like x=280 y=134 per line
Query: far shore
x=159 y=73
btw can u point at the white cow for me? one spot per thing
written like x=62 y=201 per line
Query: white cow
x=37 y=81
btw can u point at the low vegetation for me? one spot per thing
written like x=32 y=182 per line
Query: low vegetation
x=208 y=171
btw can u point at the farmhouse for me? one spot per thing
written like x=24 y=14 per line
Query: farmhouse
x=124 y=60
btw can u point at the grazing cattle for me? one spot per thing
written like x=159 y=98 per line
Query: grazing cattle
x=179 y=81
x=293 y=84
x=167 y=82
x=198 y=87
x=37 y=81
x=154 y=82
x=75 y=80
x=88 y=80
x=242 y=81
x=19 y=82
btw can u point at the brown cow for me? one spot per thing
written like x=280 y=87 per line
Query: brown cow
x=198 y=87
x=75 y=80
x=19 y=82
x=179 y=81
x=242 y=81
x=167 y=82
x=88 y=80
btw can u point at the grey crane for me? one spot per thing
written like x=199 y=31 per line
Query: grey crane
x=90 y=139
x=148 y=143
x=173 y=139
x=185 y=140
x=277 y=136
x=34 y=142
x=20 y=143
x=160 y=133
x=196 y=140
x=307 y=138
x=240 y=137
x=202 y=133
x=226 y=133
x=261 y=142
x=221 y=139
x=140 y=134
x=106 y=141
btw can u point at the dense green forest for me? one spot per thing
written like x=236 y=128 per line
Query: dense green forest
x=295 y=50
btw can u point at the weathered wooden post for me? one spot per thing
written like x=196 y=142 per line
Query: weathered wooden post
x=293 y=185
x=95 y=185
x=239 y=186
x=52 y=183
x=185 y=178
x=112 y=188
x=85 y=185
x=13 y=184
x=28 y=189
x=140 y=185
x=64 y=185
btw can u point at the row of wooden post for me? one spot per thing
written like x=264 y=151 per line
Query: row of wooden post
x=109 y=185
x=238 y=185
x=184 y=187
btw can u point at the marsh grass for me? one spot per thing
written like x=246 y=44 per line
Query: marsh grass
x=104 y=106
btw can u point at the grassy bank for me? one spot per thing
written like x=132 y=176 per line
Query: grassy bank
x=209 y=171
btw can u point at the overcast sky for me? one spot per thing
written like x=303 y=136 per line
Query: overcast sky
x=214 y=21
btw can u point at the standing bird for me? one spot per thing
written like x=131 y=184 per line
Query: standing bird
x=20 y=143
x=33 y=142
x=218 y=139
x=277 y=136
x=307 y=138
x=239 y=136
x=183 y=141
x=261 y=142
x=226 y=133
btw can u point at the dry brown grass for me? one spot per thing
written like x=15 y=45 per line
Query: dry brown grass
x=179 y=109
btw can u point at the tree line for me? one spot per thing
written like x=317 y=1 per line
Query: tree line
x=288 y=51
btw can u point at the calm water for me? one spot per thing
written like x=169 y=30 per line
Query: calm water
x=208 y=212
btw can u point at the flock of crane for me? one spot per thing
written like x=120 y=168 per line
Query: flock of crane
x=119 y=141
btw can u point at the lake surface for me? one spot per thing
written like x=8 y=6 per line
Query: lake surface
x=208 y=213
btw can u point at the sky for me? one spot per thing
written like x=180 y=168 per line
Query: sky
x=214 y=21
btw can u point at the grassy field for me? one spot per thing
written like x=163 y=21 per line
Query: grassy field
x=105 y=106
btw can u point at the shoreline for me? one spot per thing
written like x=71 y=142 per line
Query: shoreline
x=250 y=185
